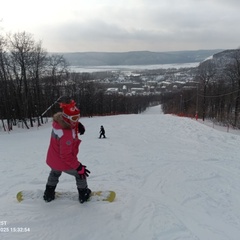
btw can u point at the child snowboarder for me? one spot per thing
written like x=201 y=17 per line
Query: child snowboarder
x=102 y=132
x=63 y=150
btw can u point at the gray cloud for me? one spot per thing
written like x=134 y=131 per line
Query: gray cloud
x=147 y=25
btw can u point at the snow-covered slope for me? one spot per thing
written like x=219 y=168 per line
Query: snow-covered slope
x=175 y=178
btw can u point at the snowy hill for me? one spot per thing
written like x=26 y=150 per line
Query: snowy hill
x=136 y=57
x=175 y=178
x=224 y=58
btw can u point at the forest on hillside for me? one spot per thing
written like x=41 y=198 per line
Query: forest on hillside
x=33 y=82
x=217 y=92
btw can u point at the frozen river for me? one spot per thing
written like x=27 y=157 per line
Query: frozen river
x=127 y=68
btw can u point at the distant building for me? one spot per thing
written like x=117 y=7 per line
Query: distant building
x=137 y=91
x=124 y=89
x=111 y=91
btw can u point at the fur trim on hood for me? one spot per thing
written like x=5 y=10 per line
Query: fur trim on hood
x=58 y=118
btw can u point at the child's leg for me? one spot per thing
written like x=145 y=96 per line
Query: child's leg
x=83 y=190
x=49 y=193
x=81 y=183
x=53 y=177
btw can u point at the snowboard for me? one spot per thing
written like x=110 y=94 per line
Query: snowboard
x=107 y=195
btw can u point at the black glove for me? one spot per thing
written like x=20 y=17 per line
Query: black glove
x=81 y=128
x=83 y=171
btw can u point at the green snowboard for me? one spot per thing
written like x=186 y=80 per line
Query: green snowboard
x=108 y=196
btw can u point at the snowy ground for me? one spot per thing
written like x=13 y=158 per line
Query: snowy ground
x=175 y=178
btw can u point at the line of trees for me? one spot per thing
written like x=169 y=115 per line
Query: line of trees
x=31 y=80
x=27 y=77
x=216 y=95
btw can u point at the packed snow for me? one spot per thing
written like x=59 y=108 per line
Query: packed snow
x=175 y=179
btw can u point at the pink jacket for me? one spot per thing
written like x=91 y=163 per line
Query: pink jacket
x=63 y=148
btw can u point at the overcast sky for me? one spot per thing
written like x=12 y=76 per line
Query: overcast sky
x=125 y=25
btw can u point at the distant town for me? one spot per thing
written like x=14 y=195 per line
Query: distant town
x=144 y=82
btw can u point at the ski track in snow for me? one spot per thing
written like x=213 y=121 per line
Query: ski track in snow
x=175 y=179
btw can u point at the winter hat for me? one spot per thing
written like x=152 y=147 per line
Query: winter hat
x=70 y=111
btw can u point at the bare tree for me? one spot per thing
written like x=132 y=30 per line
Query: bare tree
x=232 y=71
x=206 y=72
x=37 y=72
x=21 y=47
x=4 y=87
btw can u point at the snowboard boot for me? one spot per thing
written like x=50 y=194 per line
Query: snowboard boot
x=84 y=194
x=49 y=193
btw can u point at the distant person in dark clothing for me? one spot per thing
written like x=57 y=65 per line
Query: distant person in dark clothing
x=102 y=132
